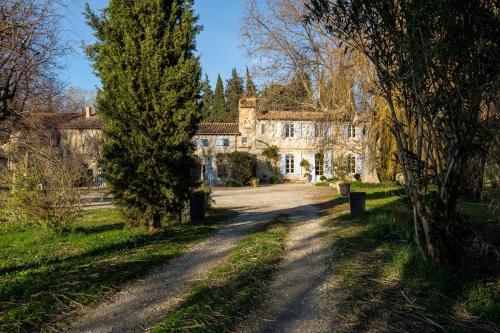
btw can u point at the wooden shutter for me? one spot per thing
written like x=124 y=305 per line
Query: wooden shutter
x=297 y=129
x=297 y=159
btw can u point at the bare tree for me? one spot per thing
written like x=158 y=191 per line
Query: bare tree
x=29 y=50
x=277 y=37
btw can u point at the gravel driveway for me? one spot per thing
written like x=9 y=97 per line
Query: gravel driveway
x=145 y=302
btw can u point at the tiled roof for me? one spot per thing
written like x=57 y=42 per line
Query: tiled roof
x=218 y=128
x=293 y=115
x=93 y=122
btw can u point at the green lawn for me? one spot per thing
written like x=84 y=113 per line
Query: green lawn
x=382 y=283
x=234 y=287
x=44 y=276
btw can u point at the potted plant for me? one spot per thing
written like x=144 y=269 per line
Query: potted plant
x=341 y=171
x=254 y=182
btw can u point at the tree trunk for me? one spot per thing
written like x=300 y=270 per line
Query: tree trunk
x=472 y=175
x=154 y=222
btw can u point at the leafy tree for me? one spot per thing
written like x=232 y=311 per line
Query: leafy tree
x=219 y=107
x=250 y=89
x=207 y=98
x=234 y=92
x=144 y=56
x=439 y=62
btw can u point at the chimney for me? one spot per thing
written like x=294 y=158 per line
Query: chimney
x=88 y=112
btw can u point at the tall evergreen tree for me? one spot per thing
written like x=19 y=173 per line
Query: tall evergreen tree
x=250 y=89
x=234 y=92
x=144 y=56
x=206 y=99
x=219 y=108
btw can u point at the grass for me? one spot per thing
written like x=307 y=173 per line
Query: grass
x=44 y=276
x=382 y=283
x=234 y=287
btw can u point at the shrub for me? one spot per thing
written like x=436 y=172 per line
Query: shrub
x=42 y=187
x=236 y=167
x=357 y=177
x=231 y=183
x=274 y=180
x=323 y=178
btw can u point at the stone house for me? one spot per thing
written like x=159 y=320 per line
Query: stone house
x=299 y=135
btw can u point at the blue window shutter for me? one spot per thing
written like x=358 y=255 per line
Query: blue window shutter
x=297 y=130
x=310 y=130
x=297 y=159
x=283 y=165
x=198 y=143
x=280 y=129
x=359 y=132
x=328 y=130
x=359 y=164
x=312 y=162
x=218 y=142
x=345 y=130
x=328 y=164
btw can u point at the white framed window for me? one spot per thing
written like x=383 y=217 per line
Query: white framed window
x=351 y=133
x=262 y=128
x=351 y=163
x=289 y=130
x=319 y=164
x=244 y=140
x=318 y=130
x=289 y=164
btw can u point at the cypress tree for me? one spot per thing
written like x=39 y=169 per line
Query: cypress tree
x=219 y=108
x=234 y=92
x=207 y=98
x=144 y=56
x=250 y=89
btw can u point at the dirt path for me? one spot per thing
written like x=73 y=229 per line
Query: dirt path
x=145 y=302
x=296 y=302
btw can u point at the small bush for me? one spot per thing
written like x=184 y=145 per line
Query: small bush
x=231 y=183
x=42 y=187
x=236 y=167
x=274 y=180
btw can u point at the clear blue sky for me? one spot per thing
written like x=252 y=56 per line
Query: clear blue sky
x=218 y=43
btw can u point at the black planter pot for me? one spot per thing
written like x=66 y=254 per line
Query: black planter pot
x=357 y=202
x=345 y=189
x=197 y=207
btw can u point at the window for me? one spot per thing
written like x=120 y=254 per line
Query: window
x=262 y=128
x=226 y=142
x=351 y=163
x=289 y=164
x=351 y=131
x=319 y=164
x=318 y=130
x=289 y=130
x=244 y=140
x=205 y=143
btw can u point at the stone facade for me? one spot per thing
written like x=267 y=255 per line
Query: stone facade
x=299 y=136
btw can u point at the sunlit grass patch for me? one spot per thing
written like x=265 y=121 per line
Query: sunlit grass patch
x=45 y=276
x=385 y=285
